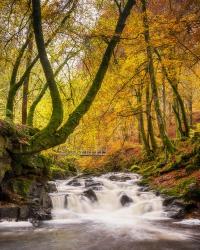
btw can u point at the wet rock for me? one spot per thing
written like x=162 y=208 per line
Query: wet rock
x=51 y=187
x=168 y=200
x=119 y=178
x=24 y=213
x=175 y=208
x=125 y=200
x=90 y=194
x=74 y=183
x=175 y=212
x=89 y=183
x=40 y=214
x=46 y=201
x=193 y=192
x=144 y=189
x=39 y=202
x=9 y=213
x=66 y=201
x=35 y=222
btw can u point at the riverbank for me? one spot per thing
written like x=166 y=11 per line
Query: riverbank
x=110 y=208
x=176 y=177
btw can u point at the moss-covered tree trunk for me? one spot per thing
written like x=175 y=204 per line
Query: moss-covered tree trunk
x=165 y=140
x=140 y=118
x=13 y=79
x=179 y=99
x=150 y=130
x=26 y=82
x=57 y=108
x=50 y=137
x=33 y=106
x=14 y=84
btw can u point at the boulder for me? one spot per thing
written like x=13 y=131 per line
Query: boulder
x=175 y=212
x=175 y=208
x=89 y=183
x=125 y=200
x=90 y=194
x=119 y=178
x=9 y=212
x=46 y=201
x=168 y=200
x=74 y=183
x=24 y=213
x=40 y=203
x=51 y=187
x=143 y=189
x=5 y=160
x=66 y=201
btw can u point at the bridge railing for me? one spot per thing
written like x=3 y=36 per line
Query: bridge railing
x=97 y=152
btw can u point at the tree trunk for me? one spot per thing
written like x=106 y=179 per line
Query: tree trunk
x=141 y=123
x=165 y=140
x=26 y=82
x=190 y=107
x=43 y=91
x=46 y=138
x=176 y=93
x=150 y=130
x=57 y=107
x=10 y=98
x=14 y=87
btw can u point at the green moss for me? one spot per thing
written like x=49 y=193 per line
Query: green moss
x=135 y=169
x=21 y=186
x=57 y=172
x=144 y=182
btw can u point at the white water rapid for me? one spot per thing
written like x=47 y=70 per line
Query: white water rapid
x=113 y=198
x=109 y=212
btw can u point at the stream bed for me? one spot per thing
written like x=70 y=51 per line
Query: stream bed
x=108 y=212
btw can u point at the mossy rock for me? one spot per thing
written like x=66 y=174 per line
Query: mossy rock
x=144 y=182
x=21 y=186
x=193 y=192
x=34 y=165
x=57 y=172
x=191 y=168
x=135 y=169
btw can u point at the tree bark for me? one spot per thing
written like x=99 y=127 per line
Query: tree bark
x=179 y=99
x=10 y=99
x=150 y=130
x=15 y=87
x=165 y=140
x=31 y=112
x=44 y=140
x=141 y=123
x=57 y=108
x=26 y=82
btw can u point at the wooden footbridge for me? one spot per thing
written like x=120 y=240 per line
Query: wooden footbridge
x=100 y=152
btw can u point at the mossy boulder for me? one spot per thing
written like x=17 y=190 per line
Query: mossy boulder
x=135 y=169
x=21 y=186
x=57 y=172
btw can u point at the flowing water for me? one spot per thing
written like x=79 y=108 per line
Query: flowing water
x=110 y=212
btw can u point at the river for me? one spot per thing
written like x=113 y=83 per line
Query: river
x=109 y=212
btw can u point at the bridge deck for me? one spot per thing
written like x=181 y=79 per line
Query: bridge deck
x=85 y=153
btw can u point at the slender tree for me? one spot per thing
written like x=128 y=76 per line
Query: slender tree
x=52 y=135
x=184 y=132
x=149 y=50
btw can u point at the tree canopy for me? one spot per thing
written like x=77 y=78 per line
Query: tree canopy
x=92 y=73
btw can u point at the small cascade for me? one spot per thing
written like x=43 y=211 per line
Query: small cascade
x=58 y=201
x=111 y=196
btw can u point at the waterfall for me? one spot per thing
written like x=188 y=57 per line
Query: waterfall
x=113 y=196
